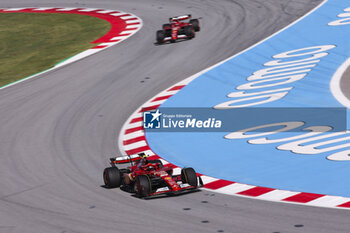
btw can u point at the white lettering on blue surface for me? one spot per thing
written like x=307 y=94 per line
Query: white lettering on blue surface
x=278 y=73
x=300 y=144
x=345 y=19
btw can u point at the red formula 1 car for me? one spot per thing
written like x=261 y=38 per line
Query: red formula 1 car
x=148 y=177
x=176 y=29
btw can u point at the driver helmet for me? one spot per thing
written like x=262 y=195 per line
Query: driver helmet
x=143 y=158
x=142 y=155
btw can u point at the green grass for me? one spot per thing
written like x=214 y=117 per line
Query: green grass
x=31 y=43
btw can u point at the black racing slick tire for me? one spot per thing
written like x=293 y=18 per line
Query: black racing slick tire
x=189 y=32
x=143 y=186
x=160 y=36
x=189 y=176
x=195 y=24
x=112 y=177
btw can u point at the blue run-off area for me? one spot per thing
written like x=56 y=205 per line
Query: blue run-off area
x=293 y=68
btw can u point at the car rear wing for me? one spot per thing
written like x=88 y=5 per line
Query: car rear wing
x=177 y=18
x=125 y=159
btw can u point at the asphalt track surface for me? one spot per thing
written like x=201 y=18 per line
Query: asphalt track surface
x=58 y=130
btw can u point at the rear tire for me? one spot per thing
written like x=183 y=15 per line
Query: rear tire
x=112 y=177
x=143 y=186
x=160 y=36
x=189 y=32
x=189 y=176
x=195 y=24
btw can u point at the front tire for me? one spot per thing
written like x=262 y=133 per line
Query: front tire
x=143 y=186
x=160 y=36
x=189 y=176
x=195 y=24
x=112 y=177
x=189 y=32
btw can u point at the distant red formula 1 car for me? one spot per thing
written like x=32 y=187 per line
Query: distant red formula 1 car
x=149 y=177
x=176 y=29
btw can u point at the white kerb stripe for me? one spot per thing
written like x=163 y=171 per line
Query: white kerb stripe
x=133 y=135
x=127 y=32
x=132 y=21
x=119 y=37
x=67 y=9
x=105 y=11
x=133 y=26
x=88 y=9
x=134 y=125
x=234 y=188
x=43 y=8
x=135 y=145
x=15 y=9
x=136 y=115
x=170 y=92
x=208 y=179
x=119 y=14
x=277 y=195
x=108 y=43
x=128 y=17
x=329 y=201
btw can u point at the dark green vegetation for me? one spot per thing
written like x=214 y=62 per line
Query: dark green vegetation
x=30 y=43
